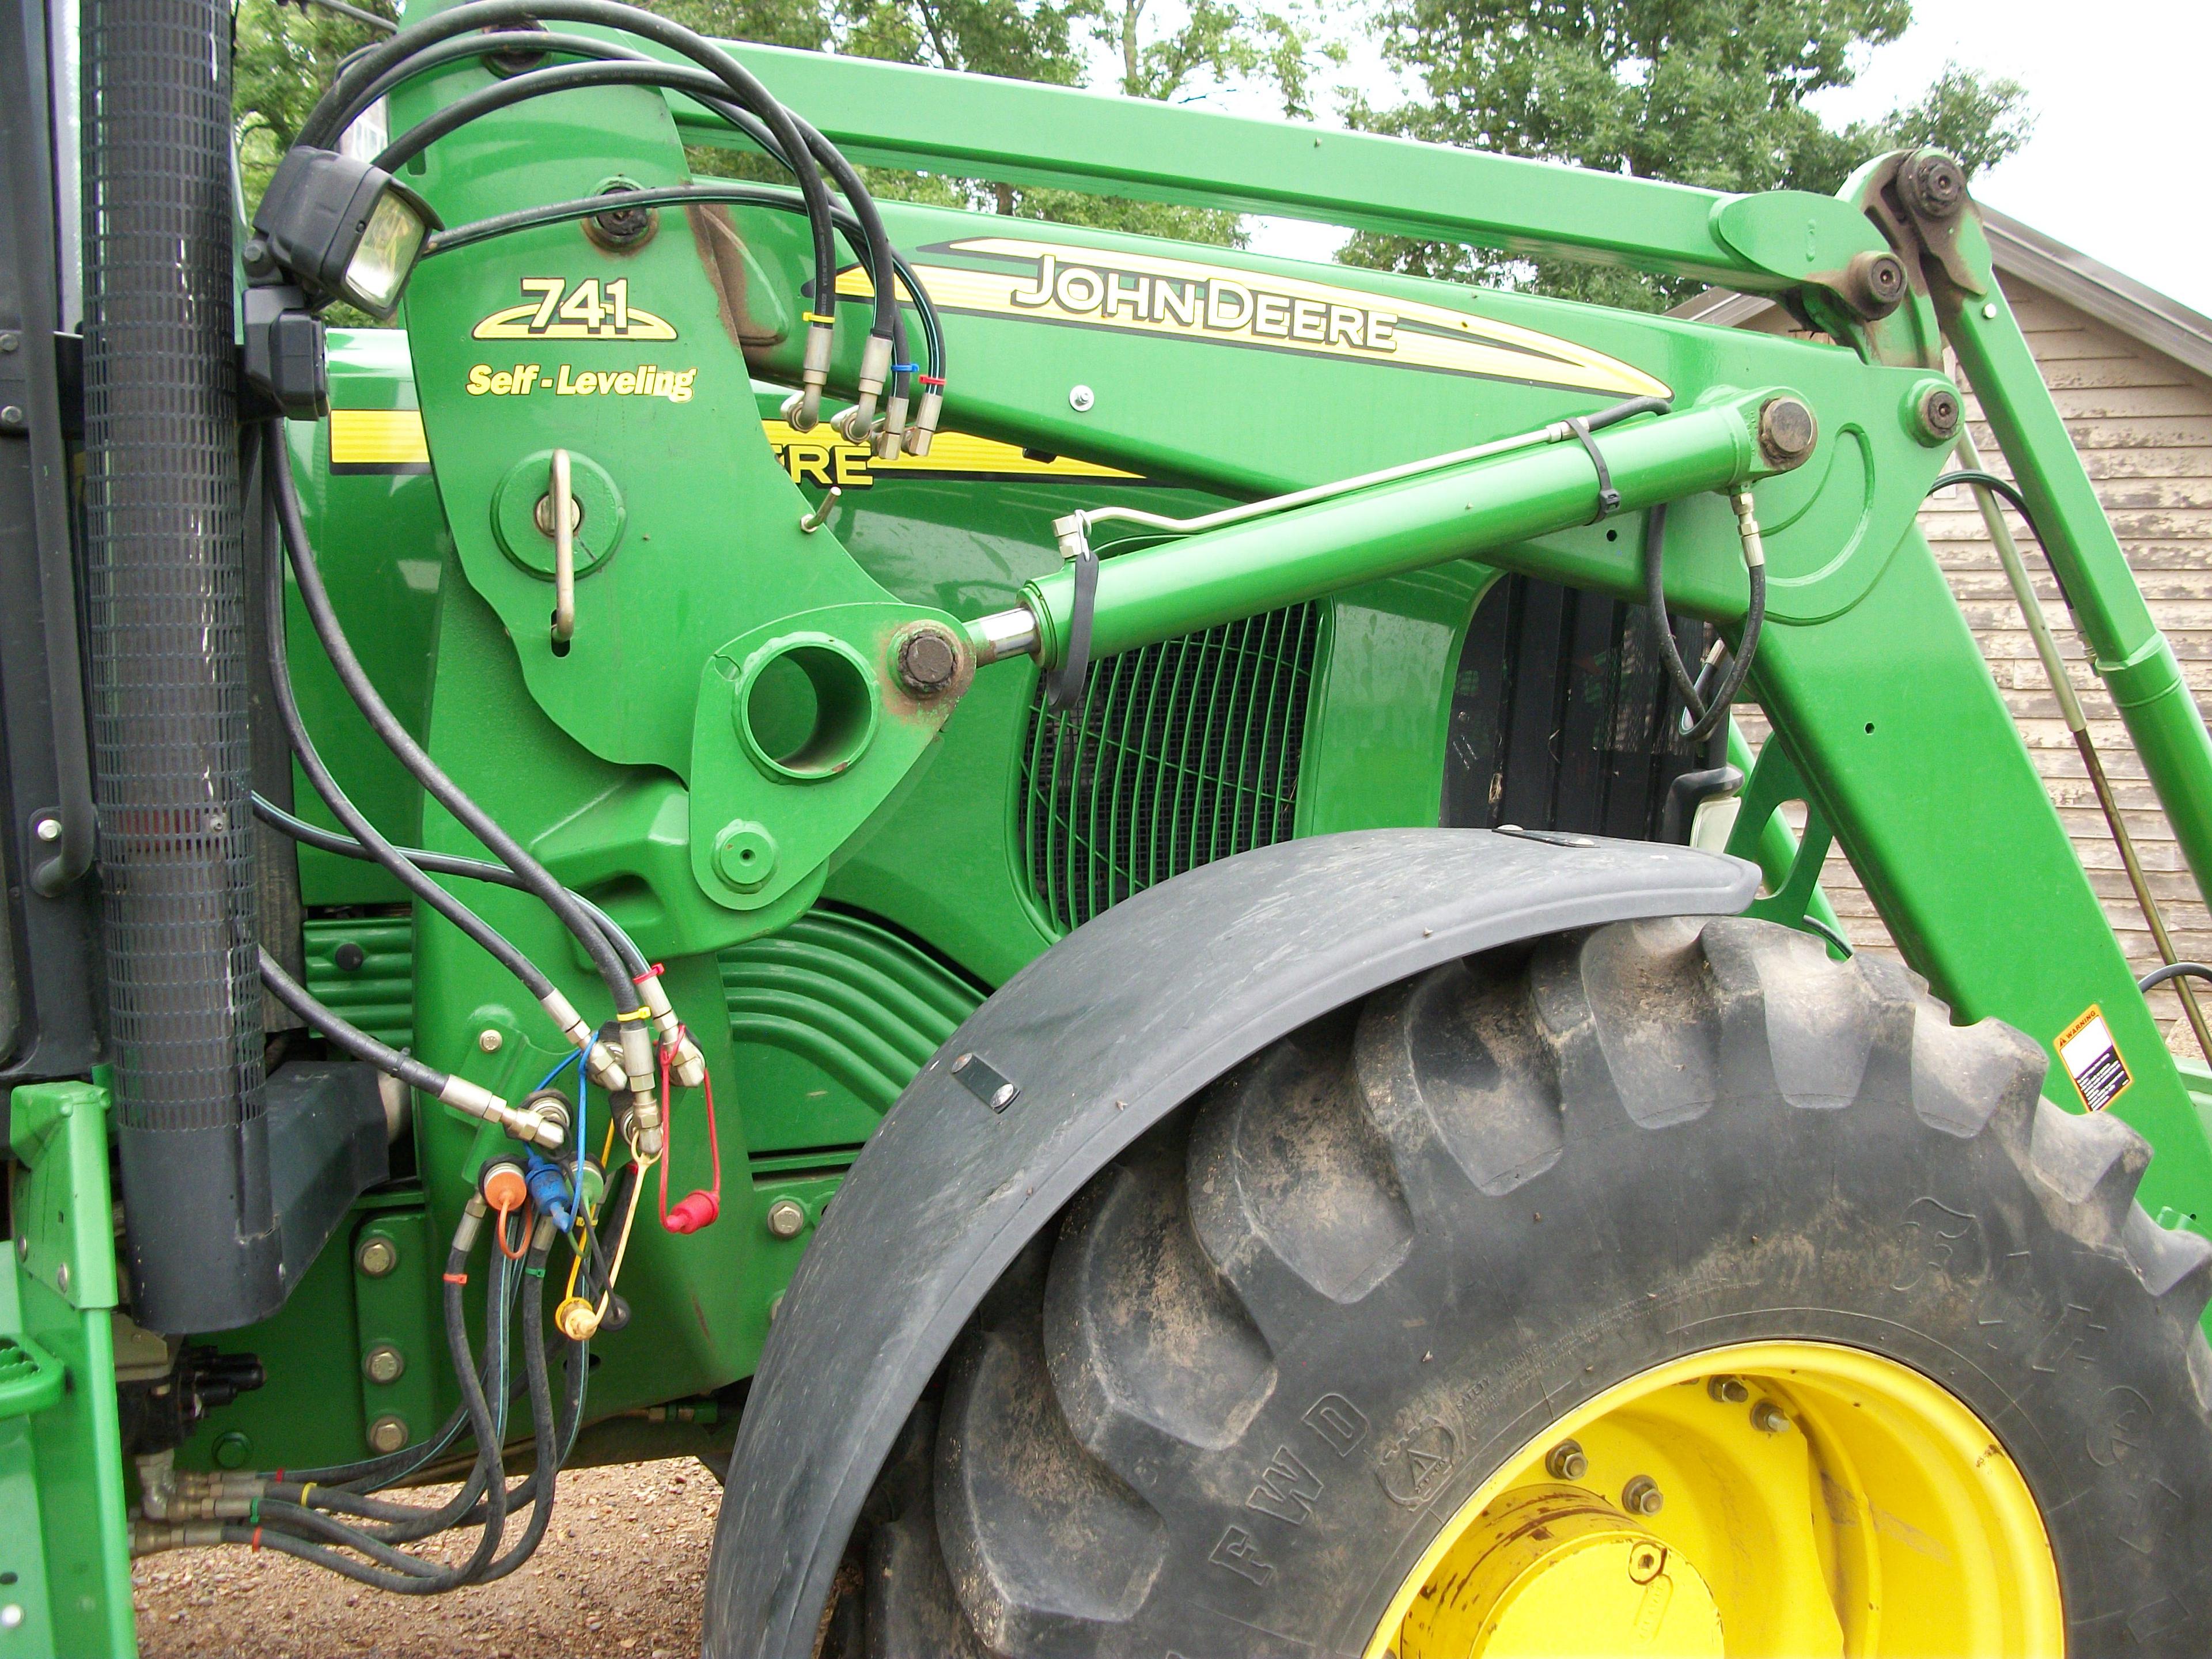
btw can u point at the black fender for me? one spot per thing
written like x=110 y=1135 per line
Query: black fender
x=1076 y=1056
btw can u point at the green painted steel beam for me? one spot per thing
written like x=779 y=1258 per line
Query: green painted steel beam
x=897 y=116
x=2135 y=659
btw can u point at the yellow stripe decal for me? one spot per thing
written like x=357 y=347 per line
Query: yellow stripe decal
x=378 y=437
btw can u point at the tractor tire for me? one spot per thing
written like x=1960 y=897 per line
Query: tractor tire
x=1268 y=1357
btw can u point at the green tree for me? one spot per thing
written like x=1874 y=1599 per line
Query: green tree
x=1153 y=51
x=282 y=57
x=1713 y=93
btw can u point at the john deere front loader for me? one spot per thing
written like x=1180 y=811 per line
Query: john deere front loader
x=1087 y=908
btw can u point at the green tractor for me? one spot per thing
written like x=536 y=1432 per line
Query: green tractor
x=1086 y=908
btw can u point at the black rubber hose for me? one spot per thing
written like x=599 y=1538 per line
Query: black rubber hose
x=445 y=864
x=350 y=1038
x=874 y=244
x=2010 y=495
x=373 y=842
x=397 y=738
x=317 y=129
x=424 y=1579
x=1704 y=717
x=1622 y=412
x=2159 y=976
x=537 y=1488
x=761 y=195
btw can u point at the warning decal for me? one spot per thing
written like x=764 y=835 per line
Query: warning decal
x=2093 y=1059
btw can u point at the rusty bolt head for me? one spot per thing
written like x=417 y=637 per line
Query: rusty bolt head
x=1874 y=283
x=928 y=660
x=1729 y=1390
x=1939 y=412
x=1641 y=1496
x=1770 y=1418
x=787 y=1218
x=387 y=1434
x=1935 y=185
x=1786 y=433
x=383 y=1364
x=377 y=1256
x=1566 y=1461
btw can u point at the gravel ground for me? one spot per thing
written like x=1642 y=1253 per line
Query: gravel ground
x=621 y=1573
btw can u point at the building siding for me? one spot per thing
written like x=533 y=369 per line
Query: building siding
x=2142 y=423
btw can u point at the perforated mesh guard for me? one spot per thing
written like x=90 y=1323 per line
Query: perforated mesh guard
x=165 y=574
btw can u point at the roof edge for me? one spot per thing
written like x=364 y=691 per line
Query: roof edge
x=2019 y=250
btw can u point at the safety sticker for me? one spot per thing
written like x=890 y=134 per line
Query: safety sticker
x=2093 y=1059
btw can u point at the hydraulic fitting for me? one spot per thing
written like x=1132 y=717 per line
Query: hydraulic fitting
x=1746 y=529
x=551 y=1191
x=528 y=1127
x=605 y=1065
x=803 y=409
x=890 y=431
x=923 y=431
x=151 y=1537
x=578 y=1320
x=505 y=1184
x=691 y=1067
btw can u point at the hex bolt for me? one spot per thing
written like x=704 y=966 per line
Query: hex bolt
x=377 y=1256
x=1082 y=400
x=1935 y=185
x=383 y=1364
x=1566 y=1461
x=1641 y=1496
x=1729 y=1390
x=62 y=1278
x=787 y=1218
x=928 y=660
x=12 y=415
x=48 y=829
x=10 y=341
x=387 y=1434
x=488 y=1040
x=1770 y=1418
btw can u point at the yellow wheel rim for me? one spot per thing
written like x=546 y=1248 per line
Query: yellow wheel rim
x=1766 y=1499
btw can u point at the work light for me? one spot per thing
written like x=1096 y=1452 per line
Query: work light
x=342 y=227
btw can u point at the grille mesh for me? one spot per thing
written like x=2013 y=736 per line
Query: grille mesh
x=1183 y=753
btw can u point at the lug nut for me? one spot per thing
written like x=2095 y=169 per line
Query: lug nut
x=787 y=1218
x=1729 y=1390
x=377 y=1256
x=383 y=1364
x=387 y=1434
x=1565 y=1461
x=1641 y=1496
x=1770 y=1418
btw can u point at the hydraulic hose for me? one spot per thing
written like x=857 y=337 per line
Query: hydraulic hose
x=372 y=842
x=1704 y=716
x=445 y=864
x=427 y=772
x=760 y=196
x=350 y=1038
x=870 y=240
x=321 y=128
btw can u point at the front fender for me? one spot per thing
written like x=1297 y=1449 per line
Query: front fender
x=1098 y=1040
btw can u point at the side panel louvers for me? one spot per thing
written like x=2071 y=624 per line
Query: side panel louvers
x=1183 y=752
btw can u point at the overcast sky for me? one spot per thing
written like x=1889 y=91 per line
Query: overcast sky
x=2120 y=166
x=2120 y=162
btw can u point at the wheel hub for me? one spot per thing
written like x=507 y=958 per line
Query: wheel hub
x=1794 y=1498
x=1557 y=1569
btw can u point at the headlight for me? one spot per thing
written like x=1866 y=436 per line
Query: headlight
x=337 y=226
